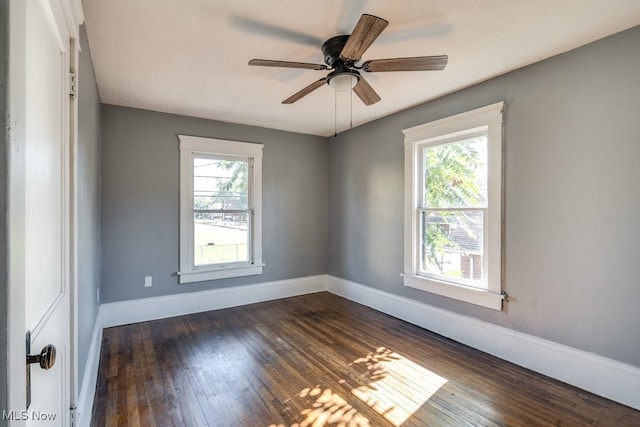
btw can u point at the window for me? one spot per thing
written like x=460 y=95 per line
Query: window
x=453 y=207
x=220 y=209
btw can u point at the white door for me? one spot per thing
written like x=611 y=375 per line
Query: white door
x=39 y=210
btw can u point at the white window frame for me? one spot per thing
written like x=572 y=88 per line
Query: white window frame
x=193 y=146
x=485 y=119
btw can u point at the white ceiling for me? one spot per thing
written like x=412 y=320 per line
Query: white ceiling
x=190 y=56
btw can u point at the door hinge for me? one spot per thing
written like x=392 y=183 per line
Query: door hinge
x=74 y=416
x=73 y=84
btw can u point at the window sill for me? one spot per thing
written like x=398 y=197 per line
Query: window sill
x=475 y=296
x=219 y=273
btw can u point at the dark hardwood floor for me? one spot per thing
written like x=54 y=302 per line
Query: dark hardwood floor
x=319 y=360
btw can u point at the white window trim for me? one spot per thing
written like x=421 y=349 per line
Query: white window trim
x=415 y=138
x=190 y=145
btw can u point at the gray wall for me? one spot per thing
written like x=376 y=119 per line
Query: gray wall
x=89 y=136
x=572 y=198
x=4 y=63
x=140 y=201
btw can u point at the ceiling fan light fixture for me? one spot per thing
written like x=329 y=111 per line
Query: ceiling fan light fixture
x=343 y=80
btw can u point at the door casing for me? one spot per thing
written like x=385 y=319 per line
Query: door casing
x=69 y=17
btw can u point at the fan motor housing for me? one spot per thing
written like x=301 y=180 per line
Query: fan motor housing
x=331 y=49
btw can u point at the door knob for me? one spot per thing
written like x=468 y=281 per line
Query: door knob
x=46 y=358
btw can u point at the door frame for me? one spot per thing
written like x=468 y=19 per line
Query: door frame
x=15 y=134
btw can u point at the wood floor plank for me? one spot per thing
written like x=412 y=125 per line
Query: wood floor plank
x=319 y=360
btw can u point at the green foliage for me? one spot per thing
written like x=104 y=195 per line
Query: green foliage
x=450 y=175
x=237 y=182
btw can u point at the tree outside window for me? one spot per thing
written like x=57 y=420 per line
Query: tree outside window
x=453 y=202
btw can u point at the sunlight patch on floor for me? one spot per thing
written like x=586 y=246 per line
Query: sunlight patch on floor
x=328 y=408
x=390 y=384
x=398 y=387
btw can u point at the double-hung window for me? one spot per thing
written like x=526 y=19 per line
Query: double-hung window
x=453 y=206
x=220 y=209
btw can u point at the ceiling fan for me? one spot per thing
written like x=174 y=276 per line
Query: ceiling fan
x=341 y=53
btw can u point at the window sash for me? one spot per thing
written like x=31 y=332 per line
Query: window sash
x=424 y=208
x=249 y=240
x=250 y=173
x=248 y=211
x=421 y=271
x=423 y=147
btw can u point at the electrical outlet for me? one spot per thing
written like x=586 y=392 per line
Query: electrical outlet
x=147 y=281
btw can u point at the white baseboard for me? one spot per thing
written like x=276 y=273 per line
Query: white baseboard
x=599 y=375
x=90 y=377
x=145 y=309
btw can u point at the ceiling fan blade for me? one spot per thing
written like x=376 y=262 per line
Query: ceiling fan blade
x=287 y=64
x=416 y=63
x=306 y=91
x=365 y=92
x=366 y=31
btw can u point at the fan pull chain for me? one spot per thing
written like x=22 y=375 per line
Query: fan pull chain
x=335 y=114
x=351 y=110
